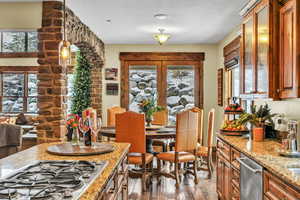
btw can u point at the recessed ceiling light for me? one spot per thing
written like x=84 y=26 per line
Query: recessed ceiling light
x=161 y=16
x=108 y=21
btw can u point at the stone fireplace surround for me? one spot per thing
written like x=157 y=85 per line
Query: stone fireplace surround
x=52 y=77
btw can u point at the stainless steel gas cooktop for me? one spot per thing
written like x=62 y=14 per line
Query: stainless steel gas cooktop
x=50 y=180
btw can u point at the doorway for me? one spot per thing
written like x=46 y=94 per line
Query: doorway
x=174 y=80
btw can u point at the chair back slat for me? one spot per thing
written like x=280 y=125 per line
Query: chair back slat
x=160 y=118
x=210 y=129
x=130 y=128
x=187 y=129
x=111 y=114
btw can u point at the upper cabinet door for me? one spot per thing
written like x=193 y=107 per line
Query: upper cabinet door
x=289 y=63
x=248 y=51
x=262 y=54
x=260 y=49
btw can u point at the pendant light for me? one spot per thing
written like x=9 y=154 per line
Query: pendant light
x=64 y=45
x=161 y=37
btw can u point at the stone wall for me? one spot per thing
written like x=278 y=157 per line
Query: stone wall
x=52 y=78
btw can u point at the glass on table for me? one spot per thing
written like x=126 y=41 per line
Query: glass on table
x=95 y=124
x=84 y=127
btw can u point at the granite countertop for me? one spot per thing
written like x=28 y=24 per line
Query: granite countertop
x=266 y=153
x=38 y=152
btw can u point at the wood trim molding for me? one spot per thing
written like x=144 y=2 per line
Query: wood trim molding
x=18 y=68
x=19 y=55
x=161 y=56
x=167 y=59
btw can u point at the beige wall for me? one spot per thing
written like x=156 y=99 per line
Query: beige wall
x=20 y=15
x=210 y=69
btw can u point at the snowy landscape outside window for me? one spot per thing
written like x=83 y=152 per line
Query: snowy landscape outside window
x=19 y=92
x=18 y=41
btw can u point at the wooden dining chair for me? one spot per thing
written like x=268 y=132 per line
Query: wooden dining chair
x=161 y=119
x=111 y=115
x=130 y=128
x=187 y=125
x=205 y=152
x=200 y=133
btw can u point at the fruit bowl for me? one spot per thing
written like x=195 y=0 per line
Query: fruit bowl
x=233 y=132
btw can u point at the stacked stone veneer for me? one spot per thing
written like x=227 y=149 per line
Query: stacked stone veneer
x=52 y=77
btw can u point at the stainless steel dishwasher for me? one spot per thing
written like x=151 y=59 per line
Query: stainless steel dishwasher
x=251 y=179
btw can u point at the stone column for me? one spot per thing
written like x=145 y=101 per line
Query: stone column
x=51 y=76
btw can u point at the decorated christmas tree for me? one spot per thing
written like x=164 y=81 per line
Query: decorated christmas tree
x=81 y=97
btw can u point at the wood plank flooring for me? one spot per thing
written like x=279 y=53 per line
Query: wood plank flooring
x=166 y=190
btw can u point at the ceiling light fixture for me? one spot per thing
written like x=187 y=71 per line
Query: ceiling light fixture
x=64 y=45
x=160 y=16
x=161 y=37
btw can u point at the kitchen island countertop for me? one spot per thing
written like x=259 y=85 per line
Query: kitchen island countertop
x=266 y=153
x=38 y=152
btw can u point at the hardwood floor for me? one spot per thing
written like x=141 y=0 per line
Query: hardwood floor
x=166 y=190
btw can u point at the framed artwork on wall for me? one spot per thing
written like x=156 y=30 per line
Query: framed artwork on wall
x=111 y=74
x=112 y=89
x=220 y=86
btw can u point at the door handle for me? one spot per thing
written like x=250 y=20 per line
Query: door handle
x=241 y=161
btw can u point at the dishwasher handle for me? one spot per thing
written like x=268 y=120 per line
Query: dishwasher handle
x=241 y=161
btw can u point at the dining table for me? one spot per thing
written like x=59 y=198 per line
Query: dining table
x=151 y=132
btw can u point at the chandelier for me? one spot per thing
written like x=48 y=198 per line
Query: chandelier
x=161 y=37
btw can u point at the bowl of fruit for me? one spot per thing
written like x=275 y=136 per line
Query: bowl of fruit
x=234 y=109
x=233 y=127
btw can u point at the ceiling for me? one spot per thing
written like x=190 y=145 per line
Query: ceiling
x=132 y=21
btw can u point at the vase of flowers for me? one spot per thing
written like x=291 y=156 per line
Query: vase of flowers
x=149 y=107
x=258 y=118
x=73 y=133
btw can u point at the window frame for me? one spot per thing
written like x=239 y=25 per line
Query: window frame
x=231 y=81
x=26 y=44
x=18 y=70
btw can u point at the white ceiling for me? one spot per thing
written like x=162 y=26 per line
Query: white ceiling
x=132 y=21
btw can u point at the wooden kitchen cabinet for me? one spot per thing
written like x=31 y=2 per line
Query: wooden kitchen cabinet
x=259 y=51
x=276 y=189
x=223 y=178
x=289 y=50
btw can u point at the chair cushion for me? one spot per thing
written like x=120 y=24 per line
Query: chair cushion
x=170 y=156
x=136 y=158
x=202 y=151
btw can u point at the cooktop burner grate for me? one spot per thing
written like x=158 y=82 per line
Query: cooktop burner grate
x=50 y=180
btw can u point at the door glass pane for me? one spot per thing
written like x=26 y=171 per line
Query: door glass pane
x=262 y=50
x=13 y=84
x=248 y=56
x=32 y=85
x=180 y=90
x=236 y=82
x=142 y=85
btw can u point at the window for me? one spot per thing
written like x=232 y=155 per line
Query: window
x=70 y=86
x=17 y=41
x=235 y=82
x=18 y=92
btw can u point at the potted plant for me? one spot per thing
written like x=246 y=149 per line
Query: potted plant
x=258 y=118
x=149 y=107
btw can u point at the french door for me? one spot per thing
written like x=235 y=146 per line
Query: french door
x=176 y=85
